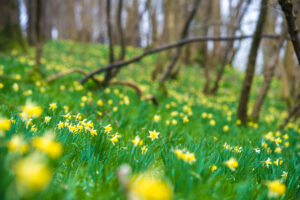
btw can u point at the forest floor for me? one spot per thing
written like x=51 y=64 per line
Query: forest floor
x=67 y=141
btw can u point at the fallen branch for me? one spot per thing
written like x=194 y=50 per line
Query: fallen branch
x=119 y=64
x=137 y=89
x=68 y=72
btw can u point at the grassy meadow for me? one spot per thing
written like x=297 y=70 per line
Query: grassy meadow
x=62 y=140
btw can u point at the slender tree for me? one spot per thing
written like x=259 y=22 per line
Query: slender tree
x=287 y=8
x=10 y=31
x=38 y=44
x=184 y=34
x=250 y=70
x=228 y=49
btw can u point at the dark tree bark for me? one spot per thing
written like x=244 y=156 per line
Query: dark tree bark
x=30 y=21
x=10 y=31
x=184 y=34
x=183 y=42
x=204 y=50
x=268 y=75
x=121 y=36
x=250 y=70
x=287 y=8
x=120 y=30
x=38 y=45
x=229 y=47
x=108 y=74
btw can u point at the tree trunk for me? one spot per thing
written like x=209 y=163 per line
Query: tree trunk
x=38 y=45
x=237 y=18
x=268 y=75
x=250 y=70
x=10 y=32
x=108 y=74
x=184 y=34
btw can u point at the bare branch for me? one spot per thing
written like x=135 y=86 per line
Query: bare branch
x=120 y=64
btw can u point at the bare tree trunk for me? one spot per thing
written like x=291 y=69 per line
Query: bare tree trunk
x=269 y=73
x=71 y=22
x=287 y=8
x=30 y=21
x=10 y=31
x=204 y=50
x=250 y=70
x=229 y=47
x=121 y=36
x=38 y=45
x=184 y=34
x=108 y=74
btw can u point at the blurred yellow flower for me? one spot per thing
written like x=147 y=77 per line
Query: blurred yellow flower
x=5 y=124
x=93 y=132
x=213 y=168
x=107 y=128
x=275 y=188
x=232 y=163
x=17 y=144
x=225 y=128
x=47 y=145
x=32 y=173
x=52 y=106
x=146 y=187
x=156 y=118
x=47 y=119
x=30 y=110
x=137 y=141
x=15 y=87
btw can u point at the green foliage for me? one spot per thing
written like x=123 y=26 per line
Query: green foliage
x=87 y=167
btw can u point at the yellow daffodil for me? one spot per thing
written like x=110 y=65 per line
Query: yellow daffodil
x=232 y=163
x=275 y=188
x=137 y=141
x=107 y=128
x=32 y=173
x=147 y=187
x=5 y=124
x=153 y=135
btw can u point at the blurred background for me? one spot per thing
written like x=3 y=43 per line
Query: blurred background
x=148 y=23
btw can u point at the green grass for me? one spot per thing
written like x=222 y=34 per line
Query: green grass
x=87 y=167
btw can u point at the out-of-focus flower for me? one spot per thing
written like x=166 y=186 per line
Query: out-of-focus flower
x=47 y=145
x=232 y=163
x=107 y=128
x=31 y=172
x=137 y=141
x=275 y=188
x=52 y=106
x=30 y=110
x=147 y=187
x=156 y=118
x=5 y=124
x=17 y=144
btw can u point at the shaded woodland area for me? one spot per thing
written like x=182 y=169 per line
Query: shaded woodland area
x=181 y=32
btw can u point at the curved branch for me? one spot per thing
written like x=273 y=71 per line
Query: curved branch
x=68 y=72
x=137 y=89
x=120 y=64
